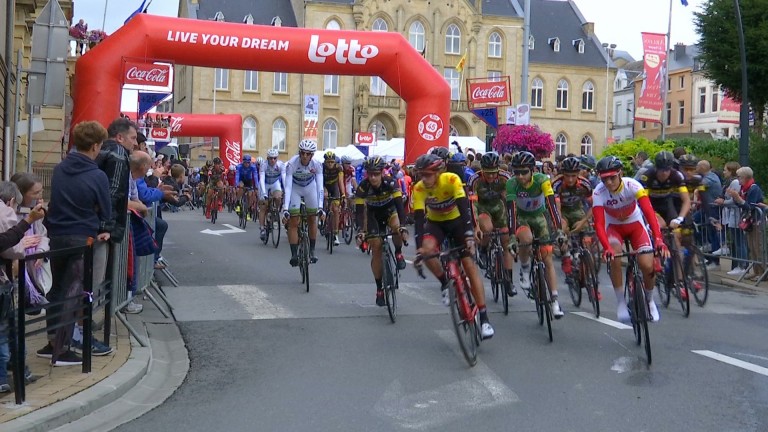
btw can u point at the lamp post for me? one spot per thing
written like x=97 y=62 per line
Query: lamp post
x=526 y=37
x=609 y=51
x=744 y=113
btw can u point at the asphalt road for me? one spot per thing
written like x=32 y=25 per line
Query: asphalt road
x=267 y=356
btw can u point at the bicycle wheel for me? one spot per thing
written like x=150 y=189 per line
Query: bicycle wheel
x=681 y=288
x=663 y=285
x=465 y=329
x=388 y=283
x=574 y=289
x=589 y=276
x=304 y=260
x=493 y=273
x=348 y=229
x=214 y=211
x=631 y=295
x=329 y=231
x=534 y=277
x=643 y=316
x=502 y=280
x=275 y=227
x=546 y=295
x=243 y=212
x=698 y=277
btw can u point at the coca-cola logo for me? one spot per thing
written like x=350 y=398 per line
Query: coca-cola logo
x=344 y=51
x=162 y=134
x=232 y=152
x=488 y=92
x=147 y=74
x=176 y=124
x=365 y=138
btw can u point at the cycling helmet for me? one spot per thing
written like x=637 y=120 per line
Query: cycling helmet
x=571 y=165
x=441 y=152
x=588 y=161
x=247 y=158
x=430 y=163
x=232 y=167
x=375 y=164
x=259 y=160
x=346 y=160
x=272 y=153
x=308 y=145
x=395 y=166
x=459 y=157
x=490 y=161
x=664 y=160
x=216 y=161
x=523 y=159
x=329 y=155
x=688 y=160
x=609 y=164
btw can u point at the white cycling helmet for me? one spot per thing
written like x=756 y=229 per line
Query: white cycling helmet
x=259 y=160
x=308 y=145
x=273 y=153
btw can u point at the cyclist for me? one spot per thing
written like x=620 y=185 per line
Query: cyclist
x=383 y=199
x=303 y=179
x=350 y=183
x=529 y=195
x=574 y=194
x=246 y=178
x=666 y=188
x=458 y=165
x=619 y=205
x=271 y=180
x=442 y=209
x=333 y=182
x=588 y=163
x=215 y=185
x=487 y=189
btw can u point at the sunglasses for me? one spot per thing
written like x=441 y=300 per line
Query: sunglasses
x=271 y=158
x=306 y=153
x=521 y=172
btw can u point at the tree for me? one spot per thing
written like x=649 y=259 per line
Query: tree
x=513 y=138
x=719 y=52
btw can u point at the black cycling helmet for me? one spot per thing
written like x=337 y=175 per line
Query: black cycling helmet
x=609 y=164
x=490 y=161
x=523 y=159
x=375 y=164
x=664 y=160
x=430 y=162
x=588 y=162
x=442 y=153
x=571 y=165
x=216 y=161
x=688 y=160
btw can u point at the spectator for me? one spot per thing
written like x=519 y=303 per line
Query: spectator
x=176 y=180
x=641 y=163
x=708 y=212
x=80 y=209
x=141 y=142
x=133 y=307
x=31 y=189
x=549 y=169
x=140 y=163
x=80 y=32
x=113 y=160
x=748 y=197
x=730 y=219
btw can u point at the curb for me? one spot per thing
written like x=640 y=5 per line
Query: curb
x=741 y=285
x=81 y=404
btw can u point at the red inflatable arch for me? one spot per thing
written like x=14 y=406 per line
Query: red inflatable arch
x=227 y=127
x=98 y=74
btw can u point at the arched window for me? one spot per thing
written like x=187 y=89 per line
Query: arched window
x=494 y=45
x=333 y=25
x=537 y=93
x=453 y=40
x=379 y=25
x=416 y=36
x=279 y=134
x=586 y=145
x=588 y=96
x=562 y=95
x=561 y=144
x=330 y=134
x=379 y=129
x=249 y=133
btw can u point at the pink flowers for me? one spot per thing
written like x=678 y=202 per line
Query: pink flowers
x=511 y=138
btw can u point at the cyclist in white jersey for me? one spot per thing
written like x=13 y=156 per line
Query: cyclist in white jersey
x=303 y=179
x=271 y=180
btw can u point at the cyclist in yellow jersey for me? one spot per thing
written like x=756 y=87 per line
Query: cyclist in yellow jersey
x=441 y=209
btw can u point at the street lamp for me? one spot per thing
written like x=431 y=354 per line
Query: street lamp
x=526 y=49
x=744 y=114
x=609 y=50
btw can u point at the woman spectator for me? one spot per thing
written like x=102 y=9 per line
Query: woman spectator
x=736 y=242
x=31 y=189
x=748 y=198
x=549 y=169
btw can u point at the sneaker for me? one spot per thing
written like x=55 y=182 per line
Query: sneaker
x=29 y=378
x=312 y=259
x=510 y=289
x=400 y=261
x=68 y=358
x=486 y=331
x=722 y=251
x=5 y=388
x=444 y=295
x=525 y=278
x=556 y=310
x=380 y=301
x=335 y=240
x=132 y=307
x=294 y=261
x=263 y=234
x=655 y=316
x=738 y=271
x=622 y=314
x=46 y=351
x=713 y=266
x=98 y=349
x=567 y=265
x=237 y=209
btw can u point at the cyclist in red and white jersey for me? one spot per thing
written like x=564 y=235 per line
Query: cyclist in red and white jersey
x=621 y=208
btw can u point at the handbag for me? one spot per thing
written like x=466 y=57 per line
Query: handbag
x=144 y=242
x=746 y=223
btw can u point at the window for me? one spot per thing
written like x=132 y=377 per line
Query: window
x=453 y=40
x=494 y=75
x=702 y=100
x=715 y=98
x=333 y=25
x=251 y=81
x=218 y=16
x=379 y=130
x=669 y=84
x=494 y=45
x=555 y=43
x=249 y=133
x=330 y=134
x=379 y=25
x=281 y=83
x=668 y=120
x=681 y=112
x=682 y=82
x=579 y=44
x=588 y=96
x=586 y=145
x=630 y=112
x=531 y=42
x=279 y=133
x=645 y=125
x=617 y=113
x=416 y=36
x=331 y=85
x=537 y=93
x=562 y=95
x=452 y=76
x=378 y=86
x=222 y=78
x=561 y=144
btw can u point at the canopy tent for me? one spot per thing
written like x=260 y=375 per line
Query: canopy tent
x=395 y=148
x=351 y=151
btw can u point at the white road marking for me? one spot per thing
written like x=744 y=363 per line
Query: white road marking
x=732 y=361
x=256 y=302
x=612 y=323
x=232 y=230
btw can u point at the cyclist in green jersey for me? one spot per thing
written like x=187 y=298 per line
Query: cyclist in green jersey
x=529 y=195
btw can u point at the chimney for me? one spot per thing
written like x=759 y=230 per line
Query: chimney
x=589 y=28
x=679 y=51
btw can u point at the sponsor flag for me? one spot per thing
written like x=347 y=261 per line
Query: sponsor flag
x=149 y=100
x=488 y=115
x=651 y=100
x=137 y=11
x=461 y=63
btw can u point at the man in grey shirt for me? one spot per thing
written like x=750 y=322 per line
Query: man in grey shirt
x=712 y=190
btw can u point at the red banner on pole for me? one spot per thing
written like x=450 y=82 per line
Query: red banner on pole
x=651 y=101
x=729 y=111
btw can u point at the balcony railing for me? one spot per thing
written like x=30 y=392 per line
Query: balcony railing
x=384 y=101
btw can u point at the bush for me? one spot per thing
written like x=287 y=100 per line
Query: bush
x=627 y=149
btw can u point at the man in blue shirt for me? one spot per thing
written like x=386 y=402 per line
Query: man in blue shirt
x=140 y=163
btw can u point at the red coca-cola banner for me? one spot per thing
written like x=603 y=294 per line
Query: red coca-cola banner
x=729 y=111
x=160 y=134
x=651 y=101
x=147 y=74
x=365 y=138
x=227 y=127
x=482 y=92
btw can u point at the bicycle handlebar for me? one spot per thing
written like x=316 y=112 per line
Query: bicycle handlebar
x=382 y=236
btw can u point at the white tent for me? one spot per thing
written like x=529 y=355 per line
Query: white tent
x=350 y=150
x=395 y=148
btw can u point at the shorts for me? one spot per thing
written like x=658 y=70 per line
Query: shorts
x=274 y=187
x=571 y=216
x=333 y=192
x=666 y=210
x=496 y=211
x=537 y=224
x=311 y=200
x=379 y=218
x=635 y=232
x=453 y=229
x=247 y=183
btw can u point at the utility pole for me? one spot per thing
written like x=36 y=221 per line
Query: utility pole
x=526 y=52
x=744 y=114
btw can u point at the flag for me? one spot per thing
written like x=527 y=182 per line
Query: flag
x=684 y=2
x=136 y=12
x=461 y=63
